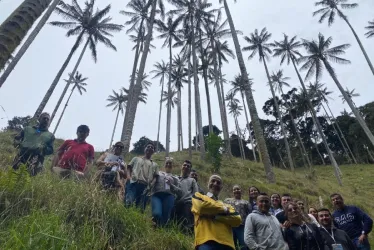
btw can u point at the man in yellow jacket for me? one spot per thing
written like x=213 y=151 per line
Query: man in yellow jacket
x=214 y=220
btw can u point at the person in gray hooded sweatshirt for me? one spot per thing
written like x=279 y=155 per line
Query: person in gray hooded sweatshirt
x=262 y=230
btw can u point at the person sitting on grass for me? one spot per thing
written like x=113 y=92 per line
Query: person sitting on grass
x=75 y=157
x=113 y=170
x=141 y=174
x=165 y=190
x=214 y=220
x=243 y=208
x=34 y=143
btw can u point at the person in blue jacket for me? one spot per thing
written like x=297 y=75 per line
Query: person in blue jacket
x=353 y=221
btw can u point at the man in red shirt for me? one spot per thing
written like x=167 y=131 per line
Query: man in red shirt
x=74 y=156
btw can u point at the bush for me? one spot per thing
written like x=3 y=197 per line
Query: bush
x=214 y=145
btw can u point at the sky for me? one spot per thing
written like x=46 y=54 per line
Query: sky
x=28 y=83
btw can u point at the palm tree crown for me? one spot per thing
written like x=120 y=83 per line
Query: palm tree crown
x=332 y=7
x=79 y=82
x=370 y=33
x=287 y=49
x=117 y=100
x=258 y=44
x=319 y=53
x=83 y=21
x=279 y=81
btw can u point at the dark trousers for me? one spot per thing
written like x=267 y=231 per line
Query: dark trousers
x=238 y=233
x=33 y=162
x=135 y=195
x=212 y=245
x=184 y=216
x=361 y=246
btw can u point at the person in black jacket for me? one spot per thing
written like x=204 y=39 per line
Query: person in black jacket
x=333 y=237
x=301 y=235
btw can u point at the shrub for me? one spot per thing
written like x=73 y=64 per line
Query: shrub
x=214 y=145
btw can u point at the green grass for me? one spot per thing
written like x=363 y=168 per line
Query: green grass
x=46 y=213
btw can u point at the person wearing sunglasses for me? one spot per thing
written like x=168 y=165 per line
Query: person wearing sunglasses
x=75 y=157
x=141 y=175
x=262 y=229
x=34 y=143
x=113 y=170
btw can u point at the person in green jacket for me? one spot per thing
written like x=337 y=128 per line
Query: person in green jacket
x=34 y=143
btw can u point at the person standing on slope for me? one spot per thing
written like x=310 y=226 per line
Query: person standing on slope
x=194 y=175
x=214 y=220
x=353 y=221
x=243 y=208
x=334 y=238
x=142 y=172
x=262 y=229
x=75 y=157
x=34 y=143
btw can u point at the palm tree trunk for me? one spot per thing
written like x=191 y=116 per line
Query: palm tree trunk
x=228 y=142
x=249 y=130
x=341 y=133
x=355 y=111
x=359 y=43
x=132 y=79
x=242 y=153
x=220 y=98
x=49 y=93
x=197 y=92
x=69 y=81
x=206 y=84
x=189 y=107
x=318 y=152
x=168 y=114
x=337 y=134
x=180 y=118
x=28 y=42
x=114 y=129
x=288 y=150
x=126 y=135
x=159 y=117
x=281 y=159
x=251 y=103
x=319 y=128
x=63 y=111
x=196 y=131
x=14 y=29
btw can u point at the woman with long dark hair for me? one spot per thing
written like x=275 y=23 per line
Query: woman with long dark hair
x=301 y=235
x=253 y=193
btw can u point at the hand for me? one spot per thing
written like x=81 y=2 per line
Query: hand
x=286 y=224
x=362 y=238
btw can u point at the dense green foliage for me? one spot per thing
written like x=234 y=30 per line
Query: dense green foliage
x=214 y=144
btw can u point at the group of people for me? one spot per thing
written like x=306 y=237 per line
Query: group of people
x=274 y=221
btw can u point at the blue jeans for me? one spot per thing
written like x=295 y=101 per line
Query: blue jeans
x=162 y=204
x=212 y=245
x=238 y=233
x=361 y=246
x=135 y=194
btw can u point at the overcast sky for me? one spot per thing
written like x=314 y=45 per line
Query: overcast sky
x=28 y=83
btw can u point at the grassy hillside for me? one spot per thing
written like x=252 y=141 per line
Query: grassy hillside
x=46 y=213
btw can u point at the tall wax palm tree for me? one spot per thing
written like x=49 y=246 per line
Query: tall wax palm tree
x=133 y=102
x=322 y=93
x=234 y=109
x=161 y=70
x=214 y=31
x=279 y=82
x=14 y=29
x=320 y=54
x=287 y=49
x=178 y=77
x=95 y=26
x=238 y=85
x=250 y=101
x=331 y=8
x=139 y=16
x=258 y=44
x=79 y=84
x=370 y=33
x=29 y=41
x=169 y=31
x=350 y=94
x=118 y=101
